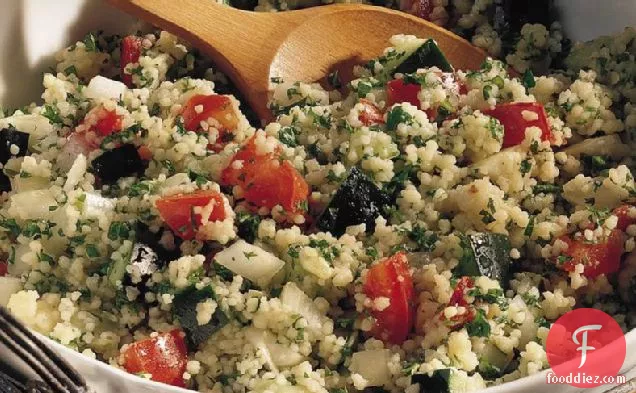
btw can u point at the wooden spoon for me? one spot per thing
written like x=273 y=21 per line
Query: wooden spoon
x=302 y=45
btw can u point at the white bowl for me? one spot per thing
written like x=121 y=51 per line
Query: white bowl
x=31 y=31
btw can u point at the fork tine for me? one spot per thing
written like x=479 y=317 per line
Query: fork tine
x=29 y=359
x=57 y=366
x=8 y=384
x=69 y=371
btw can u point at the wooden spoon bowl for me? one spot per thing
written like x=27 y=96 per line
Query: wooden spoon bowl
x=302 y=45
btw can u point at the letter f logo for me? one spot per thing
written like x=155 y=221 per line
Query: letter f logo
x=584 y=347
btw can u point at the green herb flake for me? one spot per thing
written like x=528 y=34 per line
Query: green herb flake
x=525 y=167
x=118 y=230
x=70 y=70
x=90 y=42
x=528 y=79
x=288 y=136
x=396 y=116
x=53 y=115
x=92 y=251
x=478 y=327
x=530 y=227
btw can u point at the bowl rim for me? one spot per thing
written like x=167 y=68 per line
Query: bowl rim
x=75 y=357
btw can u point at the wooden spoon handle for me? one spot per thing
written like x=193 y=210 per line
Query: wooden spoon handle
x=241 y=43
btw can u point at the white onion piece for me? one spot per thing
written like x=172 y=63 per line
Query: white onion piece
x=104 y=88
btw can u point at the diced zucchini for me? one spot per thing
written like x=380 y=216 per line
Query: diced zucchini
x=11 y=139
x=485 y=254
x=251 y=262
x=276 y=355
x=117 y=271
x=184 y=309
x=299 y=303
x=122 y=161
x=443 y=381
x=145 y=261
x=5 y=183
x=403 y=47
x=8 y=286
x=22 y=184
x=493 y=362
x=372 y=365
x=37 y=126
x=96 y=205
x=357 y=201
x=33 y=204
x=427 y=55
x=607 y=145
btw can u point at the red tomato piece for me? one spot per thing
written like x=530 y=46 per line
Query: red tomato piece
x=371 y=114
x=457 y=298
x=597 y=258
x=277 y=183
x=178 y=211
x=164 y=356
x=266 y=180
x=397 y=91
x=244 y=163
x=510 y=115
x=391 y=278
x=4 y=268
x=625 y=219
x=108 y=122
x=101 y=121
x=213 y=106
x=458 y=321
x=130 y=52
x=145 y=153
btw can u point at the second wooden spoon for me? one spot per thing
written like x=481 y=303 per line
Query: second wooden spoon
x=303 y=45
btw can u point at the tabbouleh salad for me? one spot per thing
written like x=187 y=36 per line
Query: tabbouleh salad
x=415 y=231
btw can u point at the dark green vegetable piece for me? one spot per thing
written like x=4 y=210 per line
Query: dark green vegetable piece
x=144 y=235
x=248 y=226
x=5 y=182
x=120 y=162
x=440 y=382
x=145 y=260
x=427 y=55
x=10 y=136
x=485 y=254
x=184 y=310
x=596 y=165
x=357 y=201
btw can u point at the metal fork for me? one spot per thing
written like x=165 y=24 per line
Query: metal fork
x=54 y=372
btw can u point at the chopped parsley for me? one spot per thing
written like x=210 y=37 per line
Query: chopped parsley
x=53 y=115
x=525 y=167
x=530 y=227
x=90 y=42
x=478 y=327
x=118 y=230
x=487 y=92
x=248 y=226
x=425 y=240
x=528 y=79
x=495 y=128
x=396 y=116
x=546 y=188
x=70 y=70
x=288 y=136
